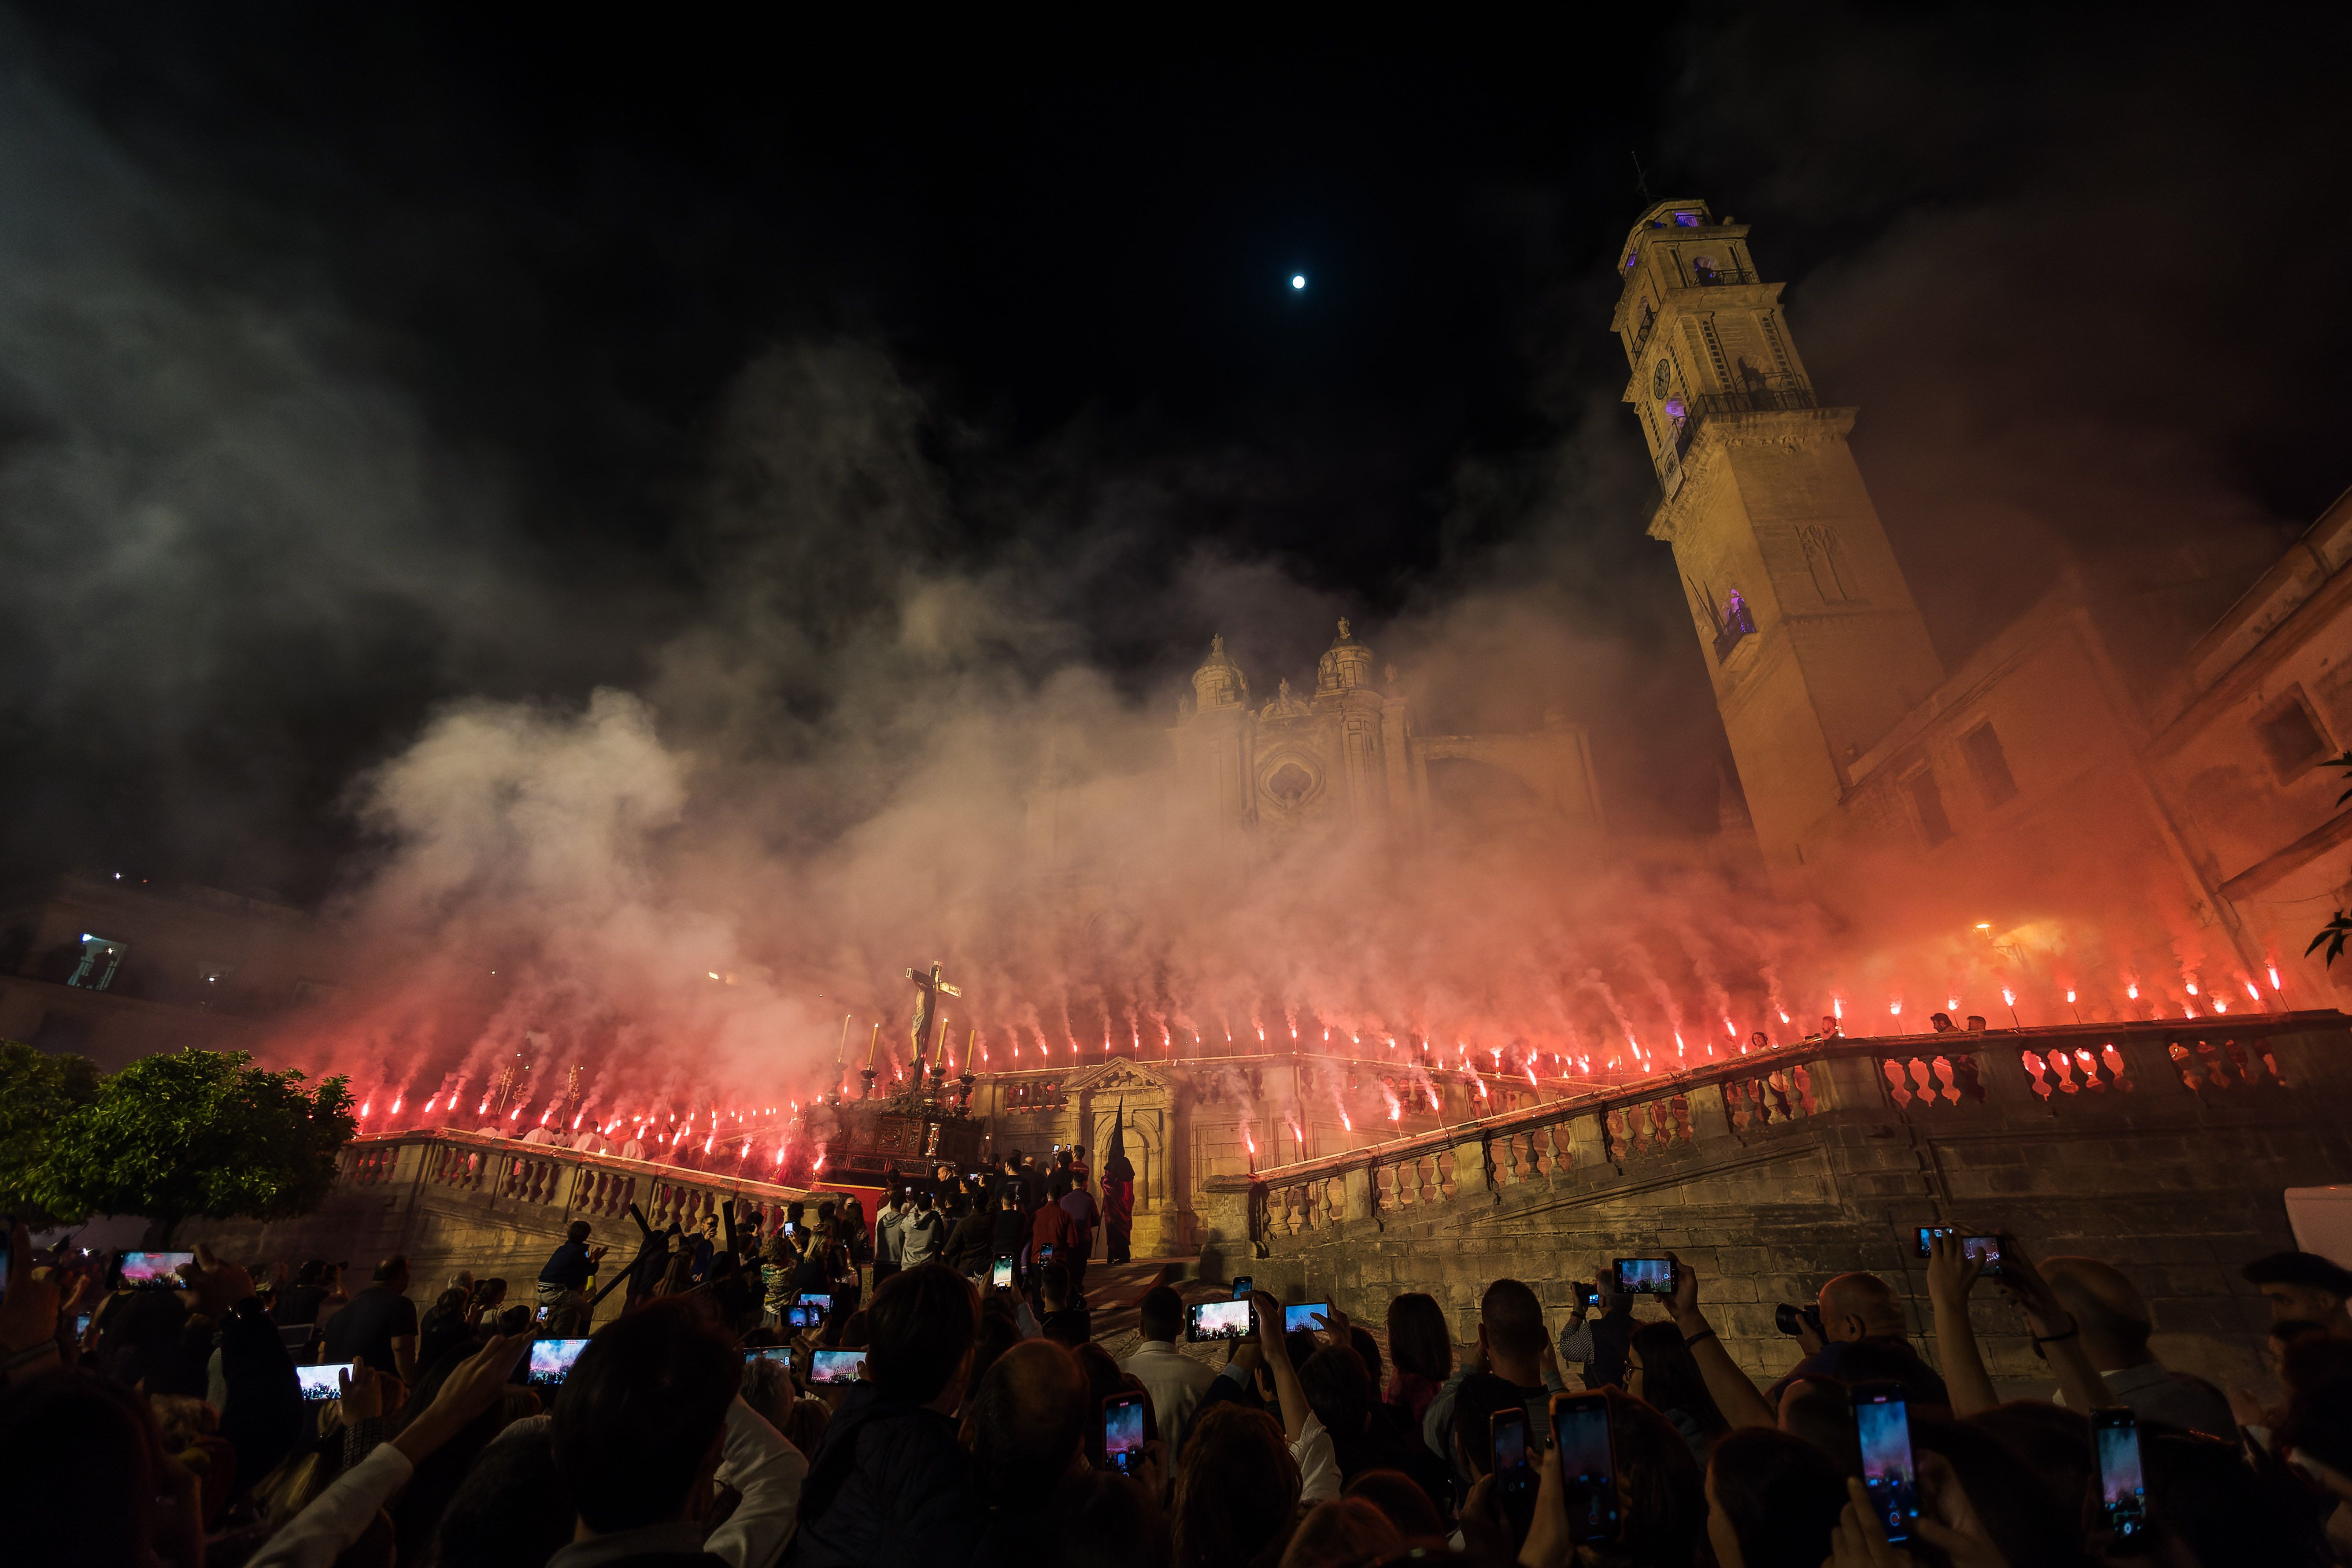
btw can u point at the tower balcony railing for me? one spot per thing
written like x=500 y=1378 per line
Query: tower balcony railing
x=1778 y=395
x=1712 y=276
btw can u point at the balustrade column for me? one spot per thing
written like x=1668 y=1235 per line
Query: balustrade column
x=1847 y=1083
x=1356 y=1190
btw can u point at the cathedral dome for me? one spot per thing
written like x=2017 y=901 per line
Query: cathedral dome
x=1346 y=665
x=1219 y=682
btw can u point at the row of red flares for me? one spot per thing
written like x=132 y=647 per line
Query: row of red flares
x=670 y=1134
x=658 y=1132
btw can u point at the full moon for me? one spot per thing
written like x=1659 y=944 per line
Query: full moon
x=1299 y=281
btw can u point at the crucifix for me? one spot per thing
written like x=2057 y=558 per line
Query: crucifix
x=928 y=989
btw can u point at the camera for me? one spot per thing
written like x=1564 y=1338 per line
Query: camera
x=1794 y=1320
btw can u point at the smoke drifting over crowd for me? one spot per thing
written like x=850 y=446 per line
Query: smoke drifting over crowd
x=674 y=813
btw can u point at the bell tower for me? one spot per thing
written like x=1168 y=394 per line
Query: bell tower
x=1805 y=621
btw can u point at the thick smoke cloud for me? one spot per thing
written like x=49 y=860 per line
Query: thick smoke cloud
x=676 y=841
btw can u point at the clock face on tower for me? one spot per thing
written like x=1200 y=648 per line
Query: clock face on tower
x=1660 y=380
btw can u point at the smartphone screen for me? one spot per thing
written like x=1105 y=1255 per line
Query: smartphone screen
x=837 y=1366
x=1305 y=1316
x=1588 y=1463
x=1045 y=1254
x=801 y=1318
x=540 y=1316
x=550 y=1360
x=2123 y=1489
x=1882 y=1425
x=1242 y=1285
x=1123 y=1433
x=81 y=1325
x=1985 y=1248
x=1645 y=1275
x=155 y=1270
x=780 y=1355
x=823 y=1303
x=1218 y=1321
x=1515 y=1478
x=1000 y=1276
x=319 y=1384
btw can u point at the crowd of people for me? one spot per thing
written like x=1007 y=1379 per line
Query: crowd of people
x=781 y=1388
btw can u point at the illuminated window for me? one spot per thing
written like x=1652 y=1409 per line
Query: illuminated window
x=1927 y=801
x=1989 y=764
x=1688 y=220
x=2291 y=736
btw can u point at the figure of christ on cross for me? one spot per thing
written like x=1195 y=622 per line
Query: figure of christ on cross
x=928 y=989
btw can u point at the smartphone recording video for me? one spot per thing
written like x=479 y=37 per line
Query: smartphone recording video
x=1515 y=1478
x=817 y=1298
x=1306 y=1315
x=1588 y=1463
x=1985 y=1248
x=1882 y=1425
x=837 y=1366
x=1645 y=1275
x=155 y=1271
x=803 y=1318
x=2123 y=1487
x=319 y=1383
x=550 y=1360
x=1123 y=1433
x=1218 y=1321
x=780 y=1355
x=1242 y=1285
x=1000 y=1275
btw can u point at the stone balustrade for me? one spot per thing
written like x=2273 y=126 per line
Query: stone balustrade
x=452 y=1200
x=2162 y=1146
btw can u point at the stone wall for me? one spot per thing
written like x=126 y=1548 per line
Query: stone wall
x=454 y=1200
x=2163 y=1148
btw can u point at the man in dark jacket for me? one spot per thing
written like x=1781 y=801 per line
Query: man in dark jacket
x=1009 y=1228
x=890 y=1486
x=971 y=1245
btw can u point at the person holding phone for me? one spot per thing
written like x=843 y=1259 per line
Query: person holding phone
x=1175 y=1380
x=1513 y=1345
x=1598 y=1343
x=380 y=1324
x=891 y=1483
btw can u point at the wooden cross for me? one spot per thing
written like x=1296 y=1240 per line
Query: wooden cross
x=928 y=989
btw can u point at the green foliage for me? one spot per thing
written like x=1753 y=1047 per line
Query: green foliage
x=36 y=1090
x=2336 y=930
x=197 y=1133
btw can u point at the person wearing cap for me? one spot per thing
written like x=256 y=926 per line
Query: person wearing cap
x=2303 y=1286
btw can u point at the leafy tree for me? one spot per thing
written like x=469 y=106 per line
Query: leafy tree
x=198 y=1132
x=36 y=1090
x=2332 y=934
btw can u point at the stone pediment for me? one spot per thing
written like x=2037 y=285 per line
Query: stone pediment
x=1122 y=1077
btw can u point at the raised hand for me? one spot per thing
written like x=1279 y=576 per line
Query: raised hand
x=1951 y=1272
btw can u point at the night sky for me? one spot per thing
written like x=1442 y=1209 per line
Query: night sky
x=464 y=297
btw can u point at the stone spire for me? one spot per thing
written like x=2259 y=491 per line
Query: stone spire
x=1219 y=681
x=1346 y=665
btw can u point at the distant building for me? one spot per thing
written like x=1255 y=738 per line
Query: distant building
x=2046 y=760
x=116 y=968
x=1346 y=756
